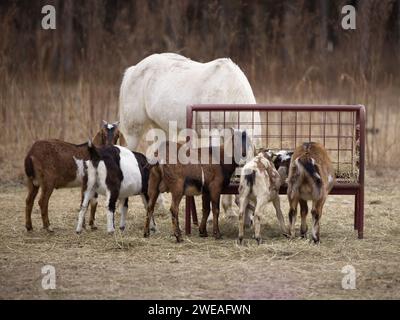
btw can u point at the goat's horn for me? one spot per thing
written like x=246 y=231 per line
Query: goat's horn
x=105 y=123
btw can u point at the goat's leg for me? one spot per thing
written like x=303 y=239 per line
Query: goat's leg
x=30 y=199
x=215 y=199
x=206 y=212
x=153 y=195
x=112 y=198
x=316 y=213
x=145 y=200
x=260 y=208
x=292 y=216
x=277 y=205
x=47 y=190
x=87 y=195
x=176 y=199
x=243 y=202
x=93 y=207
x=123 y=205
x=303 y=213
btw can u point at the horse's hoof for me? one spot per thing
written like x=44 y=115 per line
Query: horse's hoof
x=240 y=241
x=93 y=228
x=179 y=239
x=29 y=228
x=122 y=228
x=259 y=241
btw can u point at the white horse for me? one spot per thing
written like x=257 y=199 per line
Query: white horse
x=159 y=88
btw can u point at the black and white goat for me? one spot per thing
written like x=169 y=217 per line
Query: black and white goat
x=117 y=173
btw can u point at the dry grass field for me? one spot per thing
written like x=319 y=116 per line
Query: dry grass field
x=97 y=265
x=61 y=83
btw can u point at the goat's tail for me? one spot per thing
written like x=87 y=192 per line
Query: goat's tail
x=311 y=168
x=29 y=168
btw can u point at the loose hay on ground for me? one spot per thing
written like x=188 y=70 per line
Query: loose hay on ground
x=126 y=265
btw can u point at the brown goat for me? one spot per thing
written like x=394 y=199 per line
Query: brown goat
x=53 y=164
x=207 y=179
x=311 y=177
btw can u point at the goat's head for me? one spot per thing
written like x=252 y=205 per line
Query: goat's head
x=282 y=162
x=243 y=149
x=109 y=134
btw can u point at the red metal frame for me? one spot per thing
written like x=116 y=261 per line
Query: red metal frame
x=341 y=187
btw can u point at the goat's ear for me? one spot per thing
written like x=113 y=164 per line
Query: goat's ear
x=122 y=141
x=116 y=124
x=97 y=140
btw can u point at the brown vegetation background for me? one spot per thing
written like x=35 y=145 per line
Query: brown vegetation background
x=61 y=83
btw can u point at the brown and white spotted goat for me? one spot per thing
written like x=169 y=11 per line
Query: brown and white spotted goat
x=259 y=184
x=311 y=177
x=53 y=164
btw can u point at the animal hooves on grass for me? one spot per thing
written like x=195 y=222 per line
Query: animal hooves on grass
x=240 y=241
x=146 y=235
x=259 y=241
x=122 y=228
x=218 y=237
x=93 y=228
x=49 y=230
x=203 y=234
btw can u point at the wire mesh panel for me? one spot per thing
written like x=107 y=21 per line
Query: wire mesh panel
x=287 y=129
x=341 y=129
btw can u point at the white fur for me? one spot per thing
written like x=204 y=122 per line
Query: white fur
x=284 y=155
x=159 y=88
x=80 y=172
